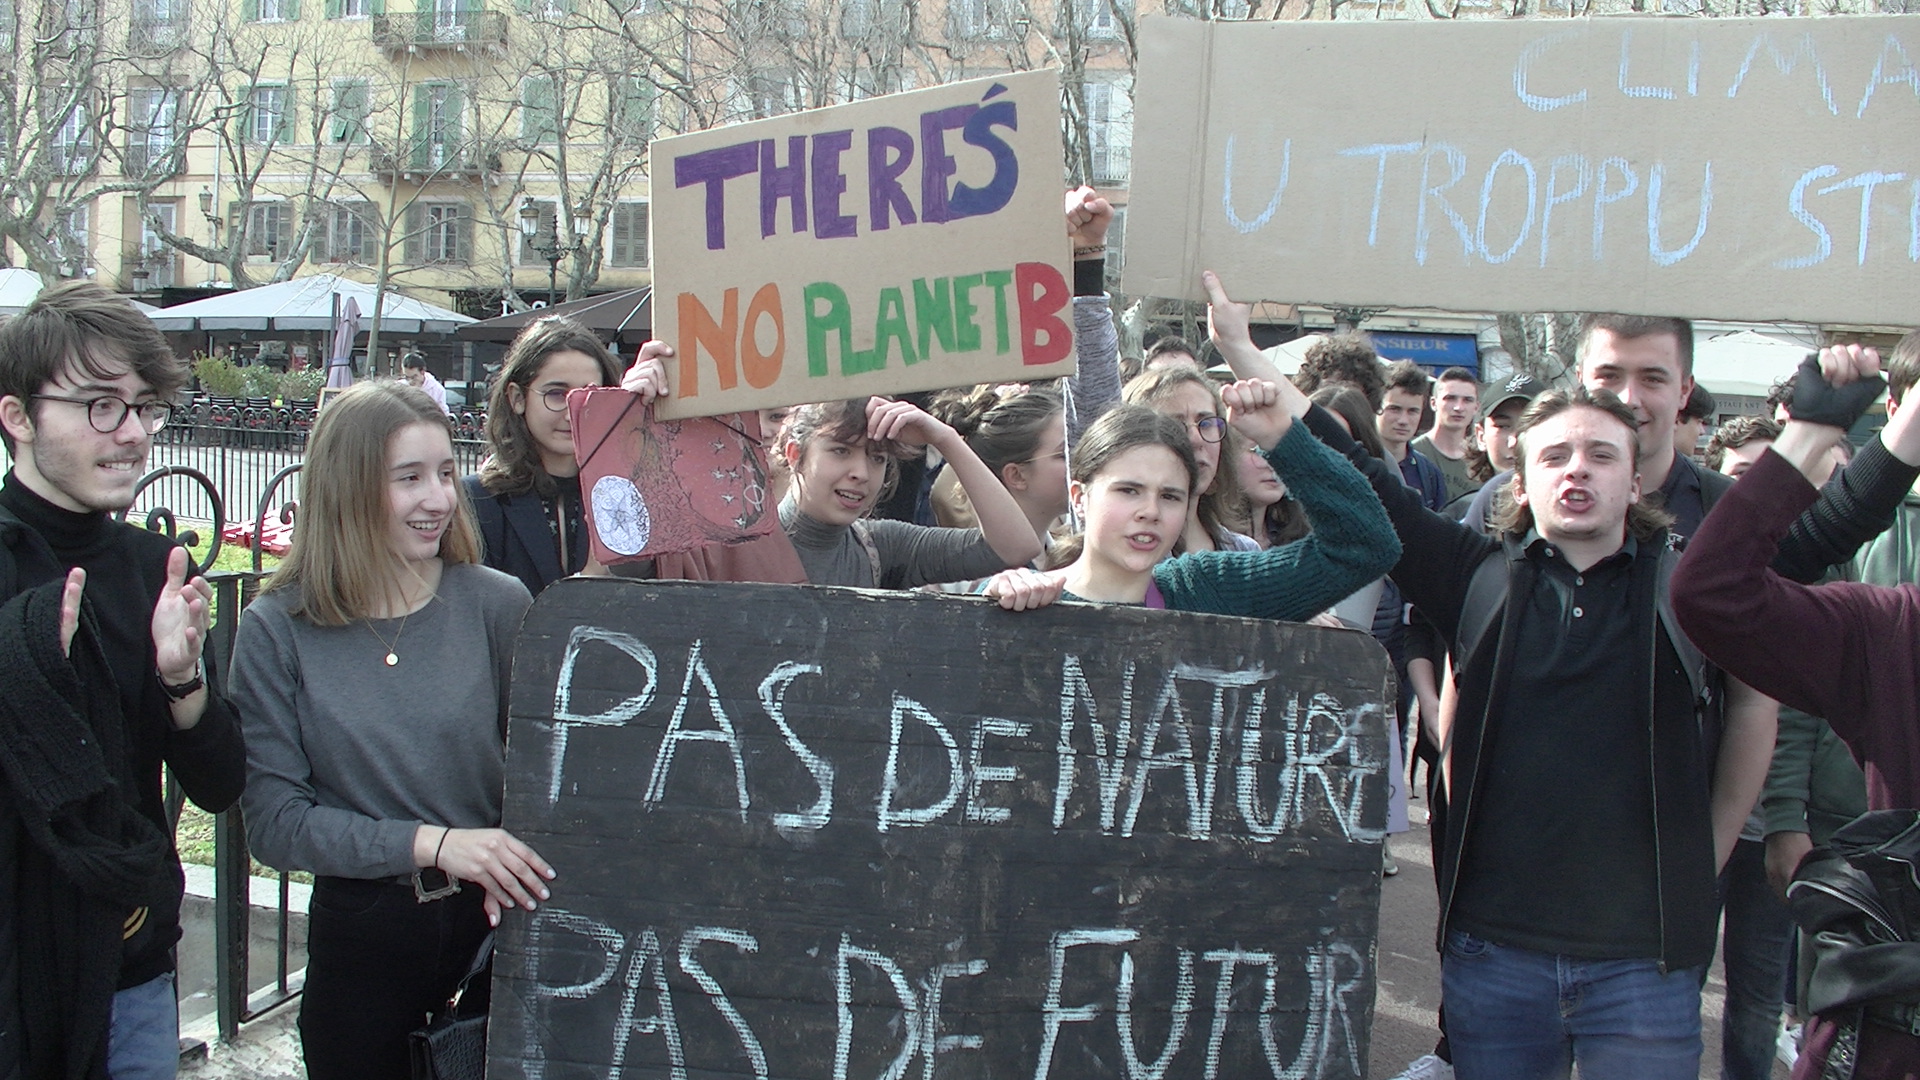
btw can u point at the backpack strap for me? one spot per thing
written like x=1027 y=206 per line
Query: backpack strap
x=865 y=536
x=1486 y=597
x=1700 y=670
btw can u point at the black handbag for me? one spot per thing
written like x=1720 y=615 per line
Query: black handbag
x=453 y=1045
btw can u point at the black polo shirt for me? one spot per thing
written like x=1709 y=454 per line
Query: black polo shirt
x=1559 y=850
x=1680 y=496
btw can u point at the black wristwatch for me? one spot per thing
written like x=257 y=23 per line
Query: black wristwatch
x=185 y=690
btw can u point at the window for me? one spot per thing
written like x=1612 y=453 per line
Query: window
x=72 y=149
x=151 y=132
x=272 y=10
x=632 y=108
x=977 y=19
x=267 y=225
x=772 y=92
x=438 y=233
x=1210 y=9
x=437 y=113
x=153 y=256
x=529 y=249
x=857 y=18
x=72 y=244
x=539 y=110
x=270 y=114
x=348 y=124
x=629 y=228
x=351 y=9
x=157 y=25
x=1096 y=18
x=1109 y=133
x=347 y=235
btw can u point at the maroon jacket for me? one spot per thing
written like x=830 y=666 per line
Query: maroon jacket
x=1845 y=651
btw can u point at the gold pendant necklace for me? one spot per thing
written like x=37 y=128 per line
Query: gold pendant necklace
x=393 y=656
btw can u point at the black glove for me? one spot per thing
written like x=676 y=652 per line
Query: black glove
x=1816 y=401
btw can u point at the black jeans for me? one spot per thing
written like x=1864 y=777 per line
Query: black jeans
x=378 y=961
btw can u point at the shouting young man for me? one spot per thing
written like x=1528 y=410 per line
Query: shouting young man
x=1599 y=770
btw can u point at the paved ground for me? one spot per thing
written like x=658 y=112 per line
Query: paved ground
x=1409 y=989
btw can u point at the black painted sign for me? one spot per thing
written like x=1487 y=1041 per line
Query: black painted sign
x=833 y=834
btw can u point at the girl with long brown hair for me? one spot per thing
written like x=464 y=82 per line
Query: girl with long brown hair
x=371 y=677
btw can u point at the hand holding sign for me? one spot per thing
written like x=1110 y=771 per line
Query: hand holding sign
x=648 y=375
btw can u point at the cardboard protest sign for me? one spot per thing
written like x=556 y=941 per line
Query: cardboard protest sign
x=658 y=486
x=908 y=242
x=830 y=833
x=1724 y=168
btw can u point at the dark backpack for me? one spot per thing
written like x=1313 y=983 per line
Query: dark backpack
x=1857 y=901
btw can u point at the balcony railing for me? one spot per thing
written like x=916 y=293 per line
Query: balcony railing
x=413 y=31
x=425 y=159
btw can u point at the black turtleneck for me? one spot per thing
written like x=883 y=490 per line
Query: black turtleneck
x=126 y=569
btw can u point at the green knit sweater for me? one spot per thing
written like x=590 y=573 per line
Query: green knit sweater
x=1352 y=544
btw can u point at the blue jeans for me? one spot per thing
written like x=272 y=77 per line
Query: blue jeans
x=143 y=1038
x=1516 y=1014
x=1757 y=941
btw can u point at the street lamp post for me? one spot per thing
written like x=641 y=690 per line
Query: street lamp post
x=550 y=247
x=213 y=227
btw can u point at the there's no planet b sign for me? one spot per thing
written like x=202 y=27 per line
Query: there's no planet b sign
x=832 y=834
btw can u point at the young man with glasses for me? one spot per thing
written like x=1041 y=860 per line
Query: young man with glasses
x=101 y=682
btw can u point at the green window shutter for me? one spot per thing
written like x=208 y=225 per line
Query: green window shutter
x=456 y=113
x=620 y=230
x=538 y=120
x=465 y=234
x=414 y=250
x=334 y=8
x=422 y=123
x=637 y=106
x=250 y=10
x=640 y=219
x=288 y=132
x=291 y=10
x=318 y=247
x=377 y=7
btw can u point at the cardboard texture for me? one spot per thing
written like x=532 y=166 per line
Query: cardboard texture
x=656 y=487
x=1081 y=841
x=1713 y=168
x=908 y=242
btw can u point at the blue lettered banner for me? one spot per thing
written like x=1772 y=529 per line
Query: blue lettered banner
x=1724 y=168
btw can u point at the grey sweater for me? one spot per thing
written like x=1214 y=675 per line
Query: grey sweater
x=909 y=555
x=346 y=756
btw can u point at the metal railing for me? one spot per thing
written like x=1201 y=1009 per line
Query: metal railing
x=234 y=1002
x=240 y=446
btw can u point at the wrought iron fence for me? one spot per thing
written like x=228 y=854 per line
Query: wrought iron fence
x=241 y=449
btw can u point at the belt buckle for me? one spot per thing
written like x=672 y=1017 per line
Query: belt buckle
x=427 y=894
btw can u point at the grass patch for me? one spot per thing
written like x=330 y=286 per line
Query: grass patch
x=232 y=556
x=194 y=837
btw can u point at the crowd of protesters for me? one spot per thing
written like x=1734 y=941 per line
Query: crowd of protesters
x=1594 y=634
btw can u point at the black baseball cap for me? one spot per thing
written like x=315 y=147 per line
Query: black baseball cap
x=1521 y=387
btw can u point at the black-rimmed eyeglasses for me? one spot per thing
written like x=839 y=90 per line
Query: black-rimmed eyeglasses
x=106 y=414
